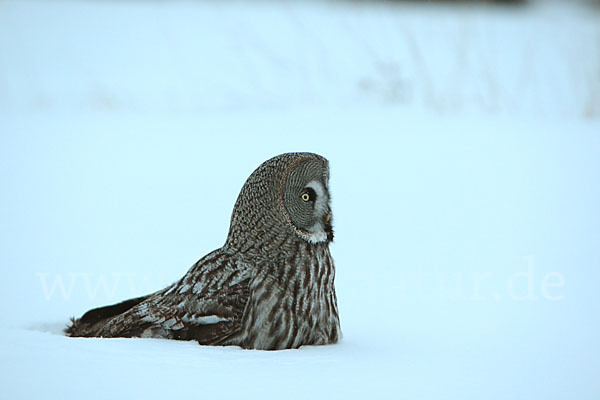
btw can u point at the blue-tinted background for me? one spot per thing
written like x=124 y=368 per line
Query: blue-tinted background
x=464 y=147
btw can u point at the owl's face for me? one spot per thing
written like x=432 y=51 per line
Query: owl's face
x=306 y=201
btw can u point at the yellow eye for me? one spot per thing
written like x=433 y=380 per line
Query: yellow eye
x=305 y=197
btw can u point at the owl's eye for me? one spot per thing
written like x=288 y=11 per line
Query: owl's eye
x=308 y=195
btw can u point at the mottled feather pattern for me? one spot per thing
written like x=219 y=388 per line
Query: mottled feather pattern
x=293 y=305
x=271 y=286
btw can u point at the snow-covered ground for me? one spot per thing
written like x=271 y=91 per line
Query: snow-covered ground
x=464 y=146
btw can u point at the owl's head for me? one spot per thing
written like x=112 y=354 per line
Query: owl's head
x=285 y=196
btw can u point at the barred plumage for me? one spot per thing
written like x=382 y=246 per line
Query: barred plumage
x=271 y=285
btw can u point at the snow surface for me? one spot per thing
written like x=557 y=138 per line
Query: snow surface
x=464 y=146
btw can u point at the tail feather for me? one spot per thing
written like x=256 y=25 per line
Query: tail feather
x=91 y=321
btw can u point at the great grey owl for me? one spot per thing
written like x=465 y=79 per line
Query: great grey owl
x=271 y=285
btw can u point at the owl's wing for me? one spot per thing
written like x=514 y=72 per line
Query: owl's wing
x=93 y=320
x=206 y=305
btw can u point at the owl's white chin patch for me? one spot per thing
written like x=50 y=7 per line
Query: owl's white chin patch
x=316 y=234
x=313 y=237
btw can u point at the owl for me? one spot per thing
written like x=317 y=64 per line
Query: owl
x=271 y=285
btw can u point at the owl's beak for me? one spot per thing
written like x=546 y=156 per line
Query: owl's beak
x=328 y=227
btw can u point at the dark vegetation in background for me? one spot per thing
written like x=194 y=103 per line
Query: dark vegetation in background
x=593 y=3
x=515 y=2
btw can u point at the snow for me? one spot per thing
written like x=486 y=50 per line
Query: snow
x=267 y=56
x=464 y=146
